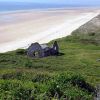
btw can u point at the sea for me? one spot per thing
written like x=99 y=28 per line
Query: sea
x=15 y=6
x=12 y=6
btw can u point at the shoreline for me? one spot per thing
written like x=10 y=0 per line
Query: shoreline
x=55 y=31
x=47 y=9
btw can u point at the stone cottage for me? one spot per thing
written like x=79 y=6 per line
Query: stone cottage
x=37 y=50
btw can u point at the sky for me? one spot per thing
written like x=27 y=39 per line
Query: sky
x=73 y=2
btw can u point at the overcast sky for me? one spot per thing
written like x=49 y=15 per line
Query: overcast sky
x=81 y=2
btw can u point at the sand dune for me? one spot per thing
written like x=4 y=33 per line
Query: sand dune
x=20 y=29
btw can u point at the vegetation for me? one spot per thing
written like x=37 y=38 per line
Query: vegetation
x=73 y=75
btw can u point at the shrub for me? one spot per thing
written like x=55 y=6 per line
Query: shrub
x=71 y=87
x=92 y=34
x=44 y=87
x=21 y=52
x=28 y=63
x=80 y=82
x=11 y=90
x=54 y=90
x=43 y=78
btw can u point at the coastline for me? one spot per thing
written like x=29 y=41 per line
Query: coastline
x=47 y=9
x=51 y=31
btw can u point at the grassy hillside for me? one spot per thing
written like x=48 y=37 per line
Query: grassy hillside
x=73 y=75
x=90 y=31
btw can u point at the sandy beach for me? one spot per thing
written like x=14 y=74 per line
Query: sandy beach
x=20 y=29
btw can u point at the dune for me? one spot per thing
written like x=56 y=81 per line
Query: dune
x=20 y=29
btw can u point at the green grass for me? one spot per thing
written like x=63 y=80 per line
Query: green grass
x=78 y=58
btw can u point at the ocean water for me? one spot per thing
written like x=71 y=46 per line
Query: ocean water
x=12 y=6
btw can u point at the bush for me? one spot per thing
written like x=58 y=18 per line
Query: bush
x=70 y=86
x=43 y=78
x=44 y=87
x=11 y=90
x=21 y=52
x=80 y=82
x=92 y=34
x=54 y=90
x=28 y=63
